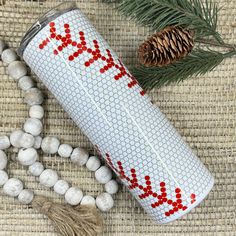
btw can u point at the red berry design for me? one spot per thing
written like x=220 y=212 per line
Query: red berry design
x=87 y=64
x=178 y=195
x=95 y=53
x=71 y=58
x=51 y=24
x=147 y=191
x=162 y=184
x=177 y=190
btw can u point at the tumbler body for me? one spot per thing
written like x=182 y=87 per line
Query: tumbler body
x=77 y=65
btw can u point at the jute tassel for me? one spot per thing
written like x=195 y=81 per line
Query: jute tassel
x=69 y=221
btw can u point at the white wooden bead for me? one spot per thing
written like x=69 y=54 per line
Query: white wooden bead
x=65 y=150
x=79 y=156
x=17 y=69
x=33 y=96
x=36 y=111
x=48 y=178
x=27 y=140
x=36 y=169
x=111 y=187
x=50 y=145
x=27 y=156
x=93 y=163
x=73 y=196
x=3 y=160
x=9 y=55
x=26 y=83
x=103 y=174
x=15 y=138
x=61 y=187
x=2 y=46
x=26 y=196
x=3 y=177
x=88 y=200
x=33 y=126
x=104 y=202
x=4 y=142
x=37 y=142
x=13 y=187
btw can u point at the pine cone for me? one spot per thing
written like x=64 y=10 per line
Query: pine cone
x=166 y=47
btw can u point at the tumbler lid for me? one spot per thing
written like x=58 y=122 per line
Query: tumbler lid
x=42 y=22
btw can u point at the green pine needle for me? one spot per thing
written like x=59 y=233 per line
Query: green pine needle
x=196 y=63
x=197 y=15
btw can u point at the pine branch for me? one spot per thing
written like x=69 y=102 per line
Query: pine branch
x=197 y=15
x=196 y=63
x=111 y=1
x=216 y=44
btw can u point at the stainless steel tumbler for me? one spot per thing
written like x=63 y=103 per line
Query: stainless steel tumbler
x=137 y=141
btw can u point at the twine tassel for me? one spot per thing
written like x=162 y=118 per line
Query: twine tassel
x=69 y=221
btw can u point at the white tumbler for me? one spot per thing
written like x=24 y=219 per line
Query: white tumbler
x=137 y=141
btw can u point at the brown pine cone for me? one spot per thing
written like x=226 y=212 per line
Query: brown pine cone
x=166 y=47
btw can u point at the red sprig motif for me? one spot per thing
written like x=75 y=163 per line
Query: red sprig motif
x=95 y=52
x=147 y=190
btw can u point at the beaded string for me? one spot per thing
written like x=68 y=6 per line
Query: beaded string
x=80 y=220
x=26 y=142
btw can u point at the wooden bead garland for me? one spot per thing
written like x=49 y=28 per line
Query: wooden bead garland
x=48 y=178
x=61 y=187
x=30 y=140
x=26 y=142
x=36 y=111
x=93 y=163
x=3 y=160
x=3 y=177
x=26 y=83
x=104 y=201
x=4 y=142
x=111 y=187
x=65 y=150
x=27 y=156
x=73 y=196
x=26 y=196
x=13 y=187
x=9 y=56
x=37 y=142
x=17 y=69
x=103 y=174
x=50 y=145
x=33 y=126
x=15 y=138
x=64 y=217
x=33 y=96
x=79 y=156
x=88 y=200
x=36 y=169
